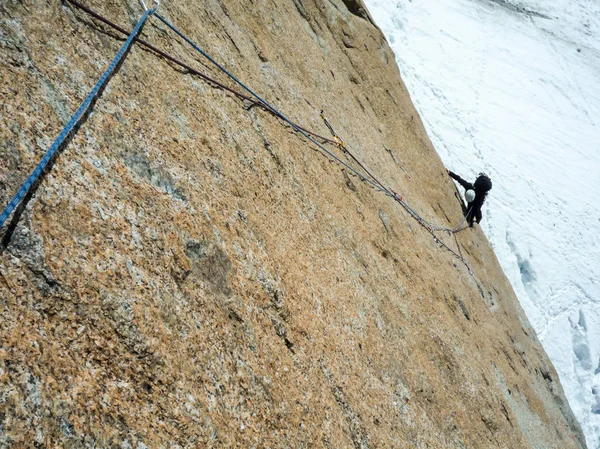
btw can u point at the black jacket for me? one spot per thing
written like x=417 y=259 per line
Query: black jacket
x=481 y=187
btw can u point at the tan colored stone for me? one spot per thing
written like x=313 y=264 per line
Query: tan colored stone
x=192 y=273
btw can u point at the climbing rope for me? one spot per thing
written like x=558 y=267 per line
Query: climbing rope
x=185 y=66
x=209 y=79
x=60 y=140
x=342 y=145
x=337 y=139
x=456 y=230
x=276 y=112
x=428 y=226
x=336 y=136
x=373 y=182
x=156 y=5
x=340 y=142
x=256 y=100
x=260 y=103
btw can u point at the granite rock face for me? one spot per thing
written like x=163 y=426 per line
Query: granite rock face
x=193 y=273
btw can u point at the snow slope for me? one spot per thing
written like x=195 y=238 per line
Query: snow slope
x=513 y=89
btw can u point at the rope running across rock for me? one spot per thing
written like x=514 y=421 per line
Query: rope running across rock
x=341 y=143
x=71 y=125
x=276 y=112
x=257 y=101
x=182 y=64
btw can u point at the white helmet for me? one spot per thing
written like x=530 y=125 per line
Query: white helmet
x=470 y=195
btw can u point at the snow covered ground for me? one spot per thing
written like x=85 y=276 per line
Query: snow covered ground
x=512 y=88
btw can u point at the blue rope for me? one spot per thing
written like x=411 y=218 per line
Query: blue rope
x=14 y=202
x=297 y=128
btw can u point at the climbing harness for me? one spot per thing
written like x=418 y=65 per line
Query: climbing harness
x=60 y=140
x=254 y=99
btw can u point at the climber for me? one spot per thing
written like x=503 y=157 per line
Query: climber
x=475 y=195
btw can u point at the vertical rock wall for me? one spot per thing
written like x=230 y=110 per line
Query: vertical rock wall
x=193 y=273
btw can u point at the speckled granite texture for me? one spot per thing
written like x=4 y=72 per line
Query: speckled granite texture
x=192 y=273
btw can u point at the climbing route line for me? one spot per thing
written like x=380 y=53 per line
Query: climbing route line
x=62 y=137
x=271 y=108
x=342 y=145
x=182 y=64
x=376 y=184
x=254 y=99
x=428 y=226
x=338 y=141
